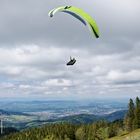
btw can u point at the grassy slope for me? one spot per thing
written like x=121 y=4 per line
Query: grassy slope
x=135 y=135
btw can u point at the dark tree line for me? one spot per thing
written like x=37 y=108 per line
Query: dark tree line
x=132 y=118
x=63 y=131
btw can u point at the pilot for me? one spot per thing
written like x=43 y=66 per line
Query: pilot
x=72 y=61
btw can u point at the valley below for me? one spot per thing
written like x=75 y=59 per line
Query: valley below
x=27 y=114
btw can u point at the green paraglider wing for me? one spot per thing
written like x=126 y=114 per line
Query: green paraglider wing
x=85 y=18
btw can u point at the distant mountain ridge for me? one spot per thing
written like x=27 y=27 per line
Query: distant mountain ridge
x=115 y=115
x=89 y=118
x=74 y=119
x=3 y=112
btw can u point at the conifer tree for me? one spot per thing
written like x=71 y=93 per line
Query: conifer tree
x=129 y=119
x=136 y=122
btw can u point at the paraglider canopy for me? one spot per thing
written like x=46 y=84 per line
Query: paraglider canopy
x=78 y=13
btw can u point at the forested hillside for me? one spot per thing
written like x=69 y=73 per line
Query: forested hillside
x=99 y=130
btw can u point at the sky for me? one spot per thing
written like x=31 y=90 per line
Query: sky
x=35 y=48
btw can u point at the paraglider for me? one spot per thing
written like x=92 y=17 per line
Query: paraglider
x=71 y=62
x=78 y=13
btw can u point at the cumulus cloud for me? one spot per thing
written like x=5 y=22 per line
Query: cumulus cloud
x=130 y=77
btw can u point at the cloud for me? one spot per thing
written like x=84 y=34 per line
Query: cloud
x=130 y=77
x=7 y=85
x=57 y=82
